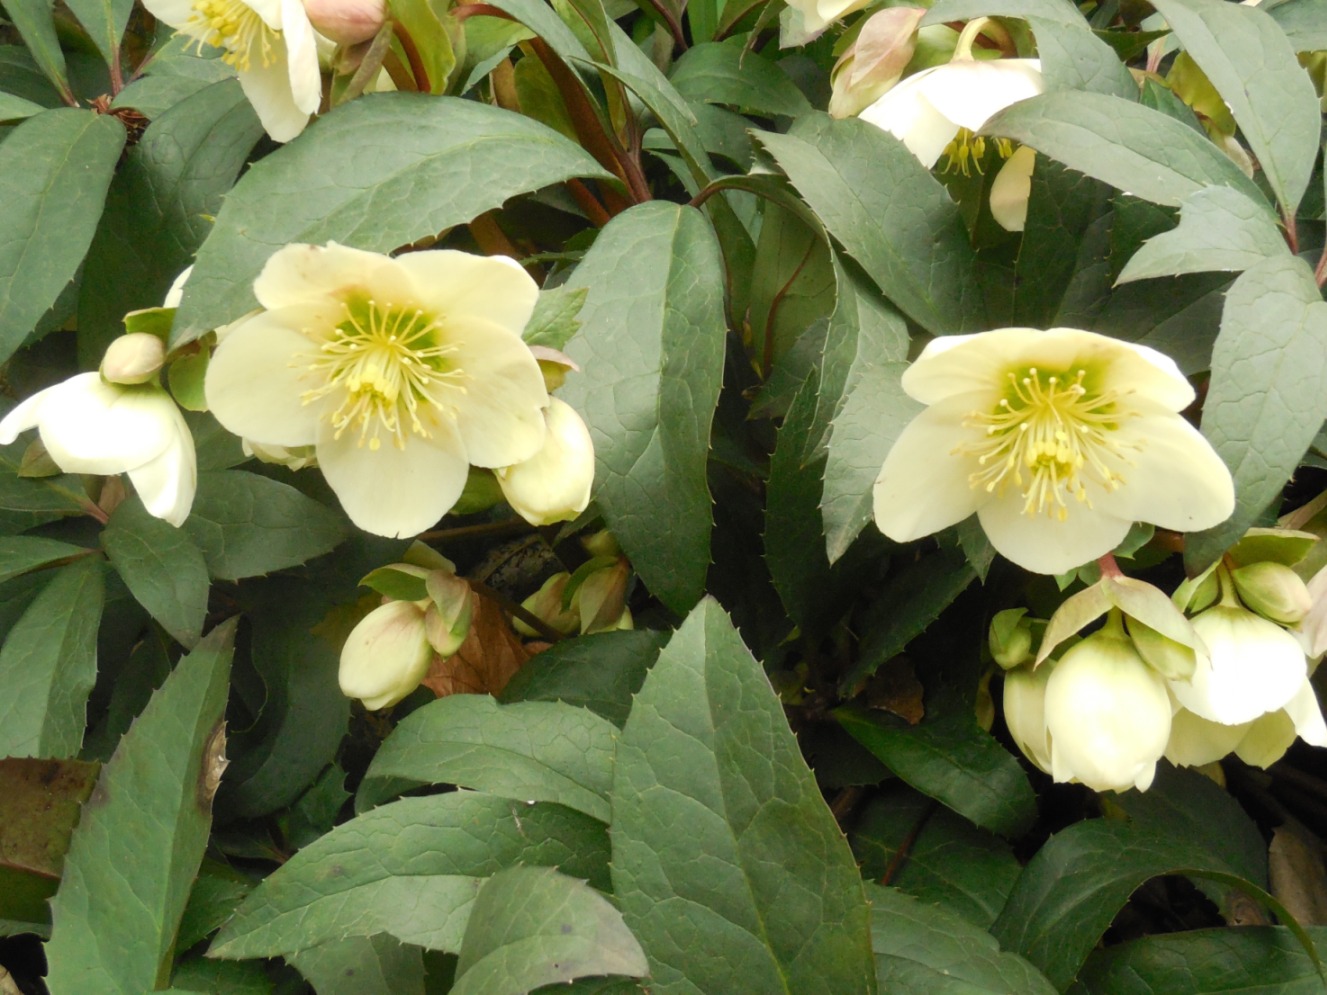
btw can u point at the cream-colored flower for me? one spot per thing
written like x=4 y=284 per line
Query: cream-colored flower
x=1107 y=713
x=817 y=15
x=386 y=655
x=553 y=485
x=400 y=372
x=91 y=426
x=271 y=45
x=1058 y=440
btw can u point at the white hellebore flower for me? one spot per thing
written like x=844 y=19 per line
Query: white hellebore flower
x=91 y=426
x=941 y=109
x=1058 y=440
x=1107 y=713
x=271 y=45
x=386 y=656
x=553 y=485
x=399 y=372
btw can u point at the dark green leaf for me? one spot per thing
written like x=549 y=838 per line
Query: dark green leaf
x=19 y=554
x=162 y=568
x=1265 y=402
x=246 y=524
x=411 y=869
x=890 y=215
x=1248 y=60
x=49 y=664
x=651 y=350
x=531 y=926
x=527 y=751
x=105 y=21
x=36 y=26
x=953 y=760
x=376 y=173
x=1133 y=148
x=54 y=171
x=726 y=862
x=927 y=950
x=555 y=319
x=730 y=73
x=134 y=855
x=14 y=108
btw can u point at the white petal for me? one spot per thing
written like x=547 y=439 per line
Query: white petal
x=1177 y=480
x=1254 y=667
x=176 y=13
x=166 y=485
x=386 y=655
x=390 y=491
x=1195 y=741
x=267 y=87
x=905 y=113
x=1305 y=712
x=305 y=79
x=26 y=415
x=303 y=274
x=554 y=484
x=1025 y=712
x=254 y=383
x=970 y=91
x=493 y=288
x=1267 y=739
x=1011 y=188
x=93 y=427
x=500 y=417
x=1044 y=544
x=923 y=486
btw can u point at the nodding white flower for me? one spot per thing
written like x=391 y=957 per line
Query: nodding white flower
x=401 y=373
x=939 y=111
x=1058 y=440
x=91 y=426
x=271 y=45
x=553 y=485
x=386 y=655
x=1107 y=713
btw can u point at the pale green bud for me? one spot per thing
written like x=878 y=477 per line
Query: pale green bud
x=1010 y=638
x=546 y=605
x=386 y=655
x=1168 y=657
x=133 y=359
x=451 y=606
x=1273 y=590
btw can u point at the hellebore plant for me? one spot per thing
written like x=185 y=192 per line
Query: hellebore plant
x=401 y=373
x=1058 y=440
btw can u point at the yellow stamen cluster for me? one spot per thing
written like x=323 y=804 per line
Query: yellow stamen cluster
x=1048 y=436
x=967 y=151
x=234 y=27
x=389 y=365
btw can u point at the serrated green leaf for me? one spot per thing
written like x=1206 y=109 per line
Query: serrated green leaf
x=362 y=965
x=927 y=950
x=1265 y=401
x=1071 y=890
x=49 y=664
x=931 y=853
x=889 y=213
x=141 y=837
x=1133 y=148
x=376 y=173
x=197 y=974
x=651 y=349
x=726 y=861
x=160 y=208
x=246 y=524
x=1251 y=960
x=35 y=22
x=531 y=926
x=601 y=672
x=875 y=411
x=55 y=168
x=953 y=760
x=556 y=316
x=1219 y=229
x=162 y=568
x=410 y=868
x=19 y=554
x=1072 y=57
x=527 y=751
x=731 y=74
x=1304 y=23
x=216 y=893
x=1249 y=61
x=105 y=21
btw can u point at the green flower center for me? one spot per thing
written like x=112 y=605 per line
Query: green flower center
x=387 y=364
x=235 y=28
x=1048 y=436
x=966 y=152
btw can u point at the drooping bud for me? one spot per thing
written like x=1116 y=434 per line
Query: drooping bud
x=1010 y=638
x=1025 y=712
x=1273 y=590
x=546 y=605
x=1168 y=657
x=386 y=655
x=346 y=22
x=554 y=484
x=875 y=61
x=133 y=359
x=451 y=607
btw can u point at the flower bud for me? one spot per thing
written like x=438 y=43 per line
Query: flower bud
x=1108 y=715
x=1273 y=590
x=875 y=61
x=546 y=605
x=601 y=598
x=386 y=655
x=346 y=22
x=1168 y=657
x=1010 y=638
x=447 y=618
x=1025 y=712
x=133 y=358
x=554 y=484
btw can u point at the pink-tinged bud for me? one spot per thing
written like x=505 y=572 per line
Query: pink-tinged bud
x=133 y=358
x=346 y=22
x=875 y=61
x=386 y=655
